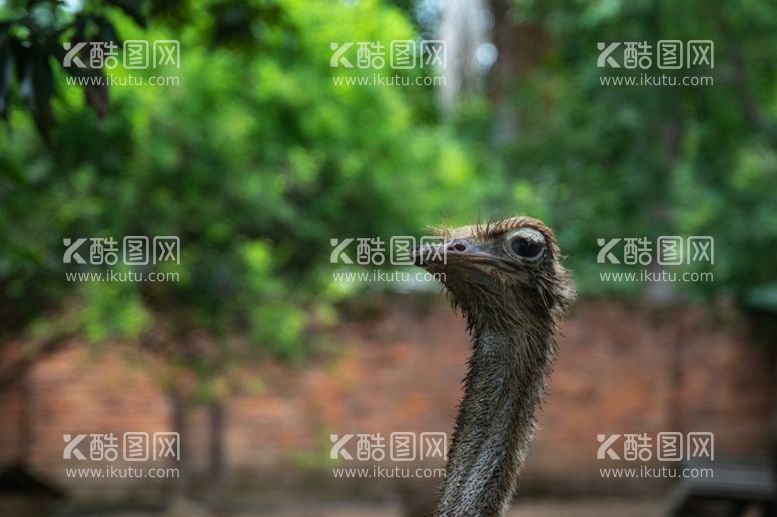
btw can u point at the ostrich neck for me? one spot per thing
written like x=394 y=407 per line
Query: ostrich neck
x=495 y=424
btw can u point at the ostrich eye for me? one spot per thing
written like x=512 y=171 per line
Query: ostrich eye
x=527 y=243
x=526 y=248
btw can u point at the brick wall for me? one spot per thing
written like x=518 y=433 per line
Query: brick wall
x=621 y=369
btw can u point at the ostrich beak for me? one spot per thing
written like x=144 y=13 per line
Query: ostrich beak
x=455 y=253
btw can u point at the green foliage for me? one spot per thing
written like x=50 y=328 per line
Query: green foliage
x=255 y=160
x=637 y=161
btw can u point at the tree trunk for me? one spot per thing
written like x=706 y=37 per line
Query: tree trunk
x=520 y=48
x=180 y=421
x=215 y=474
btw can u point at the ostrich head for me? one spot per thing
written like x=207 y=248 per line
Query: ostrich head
x=498 y=273
x=507 y=280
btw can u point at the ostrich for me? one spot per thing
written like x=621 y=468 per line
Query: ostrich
x=506 y=279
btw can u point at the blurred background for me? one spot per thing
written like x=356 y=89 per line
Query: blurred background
x=260 y=152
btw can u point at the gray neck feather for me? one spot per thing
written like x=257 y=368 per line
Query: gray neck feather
x=495 y=425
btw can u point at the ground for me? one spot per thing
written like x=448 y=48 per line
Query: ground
x=311 y=507
x=540 y=508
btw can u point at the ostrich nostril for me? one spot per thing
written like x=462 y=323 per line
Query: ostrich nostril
x=457 y=246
